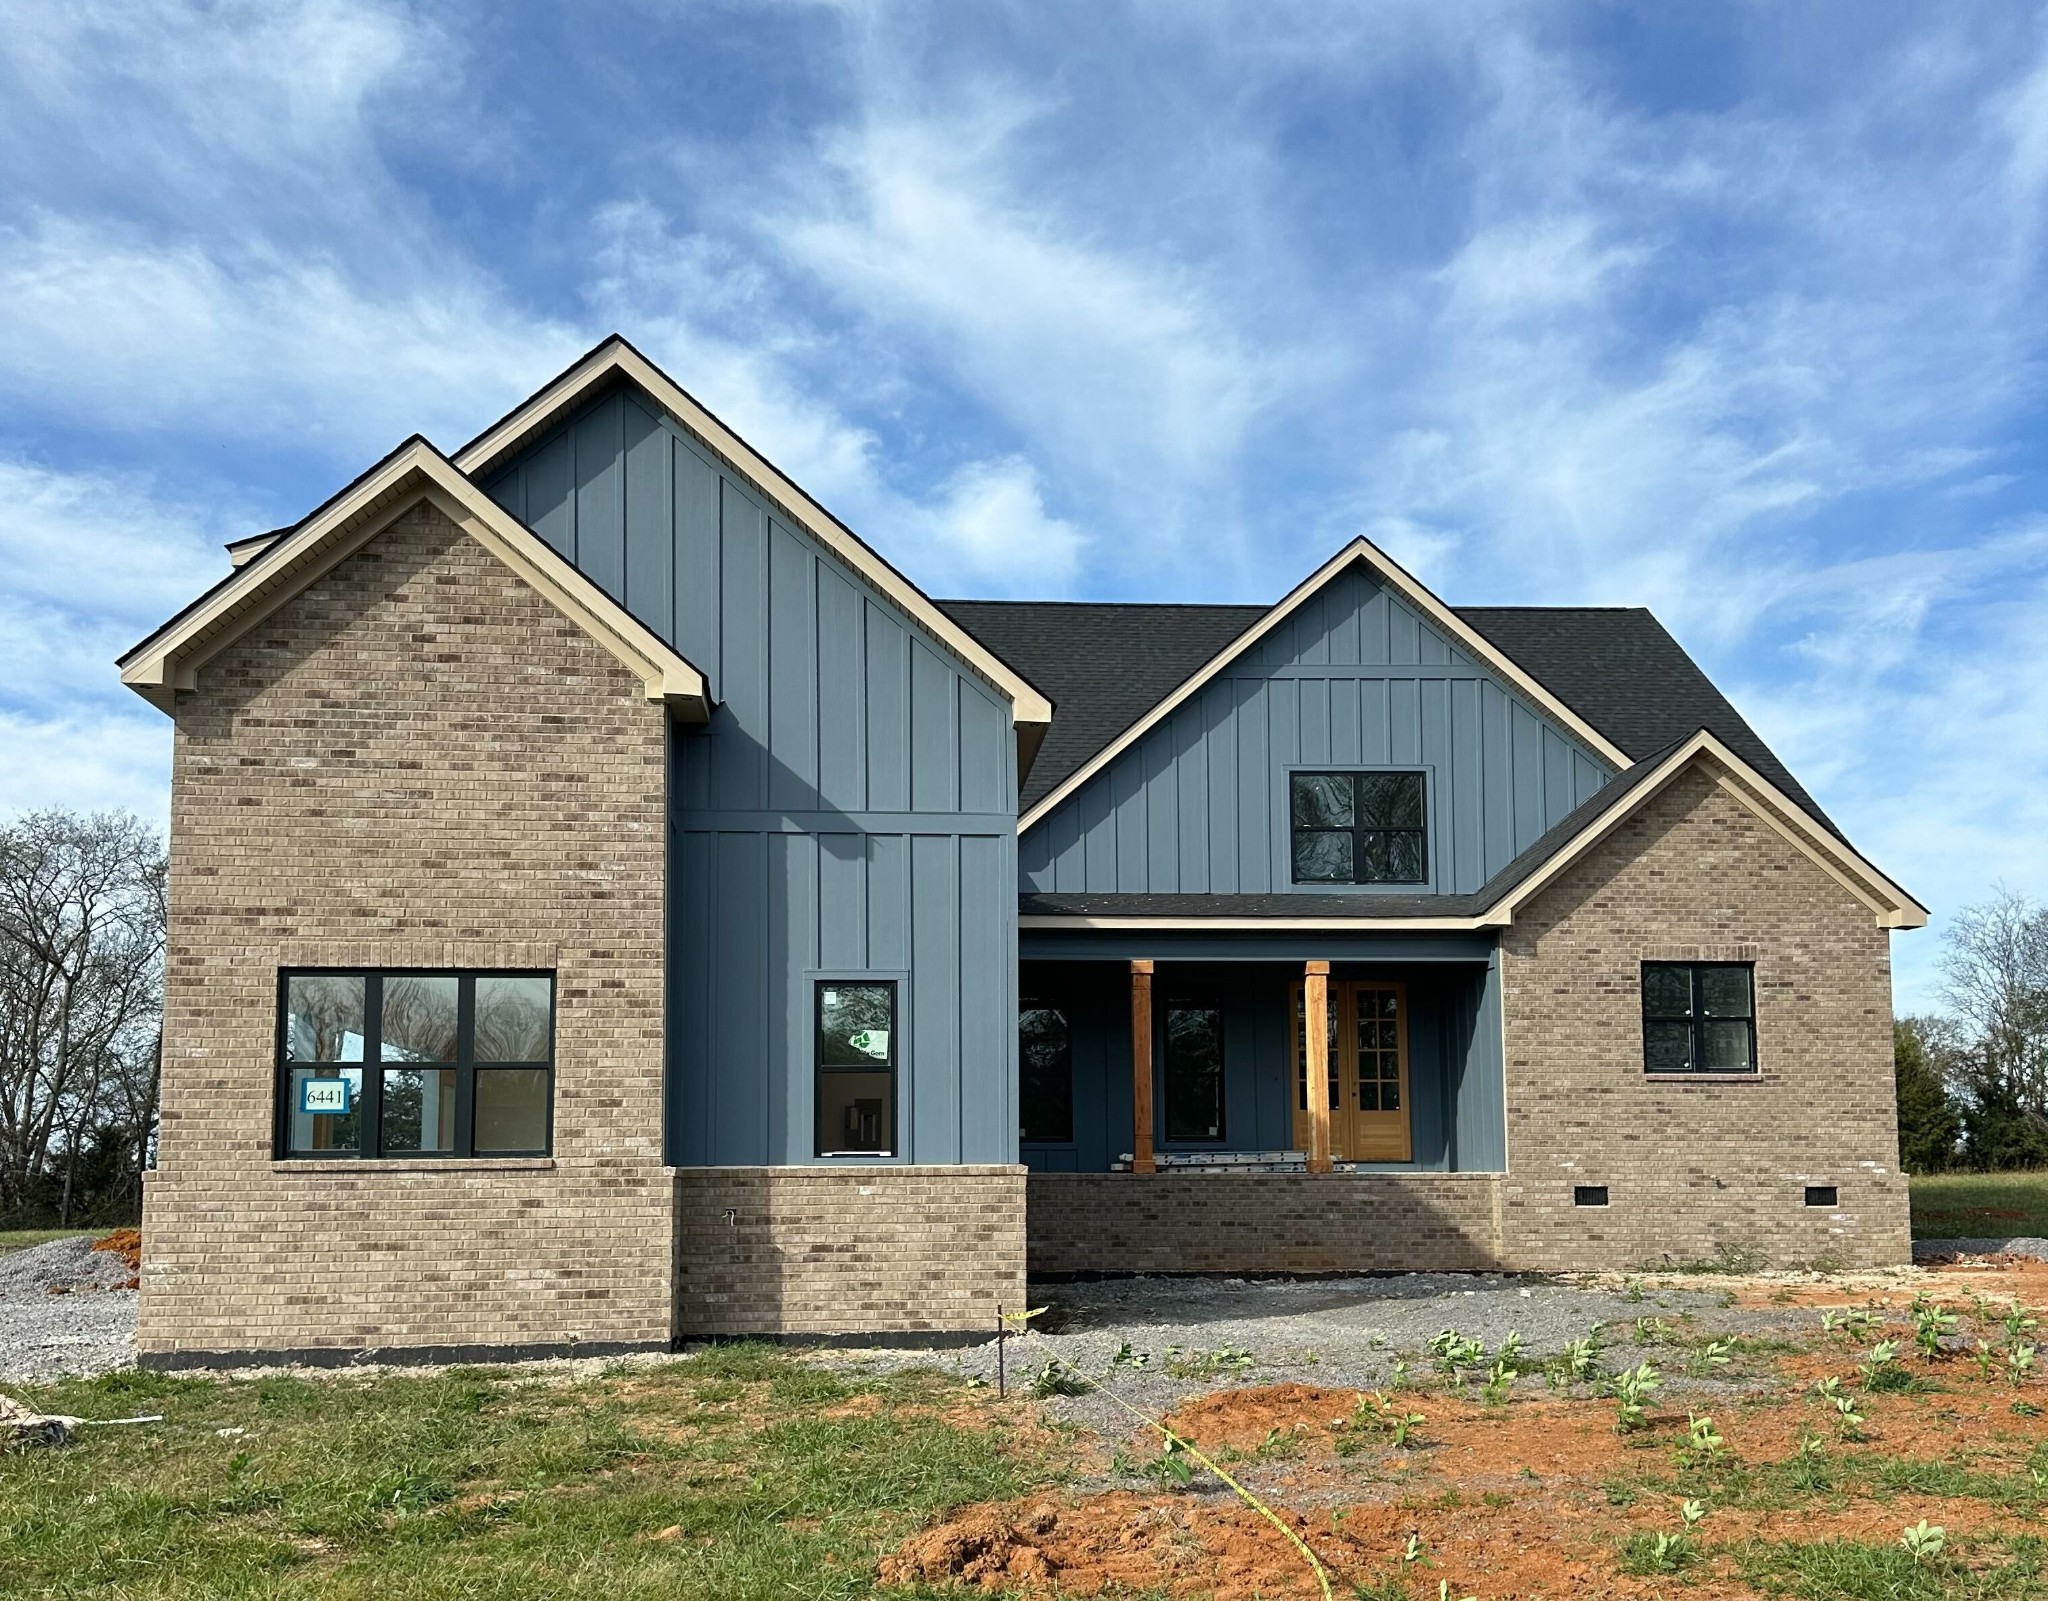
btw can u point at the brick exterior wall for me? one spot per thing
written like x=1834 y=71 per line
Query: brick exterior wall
x=1699 y=1169
x=1223 y=1222
x=834 y=1250
x=416 y=762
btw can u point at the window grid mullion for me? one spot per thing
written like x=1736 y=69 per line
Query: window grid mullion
x=370 y=1126
x=465 y=1066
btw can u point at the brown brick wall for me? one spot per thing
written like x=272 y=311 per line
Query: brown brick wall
x=1698 y=1169
x=817 y=1250
x=417 y=761
x=1223 y=1222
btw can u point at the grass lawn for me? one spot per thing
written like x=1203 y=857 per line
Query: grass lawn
x=1949 y=1206
x=738 y=1473
x=22 y=1239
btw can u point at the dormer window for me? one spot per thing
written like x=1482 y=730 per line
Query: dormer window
x=1358 y=828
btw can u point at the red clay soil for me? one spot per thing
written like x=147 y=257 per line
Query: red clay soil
x=127 y=1245
x=1508 y=1501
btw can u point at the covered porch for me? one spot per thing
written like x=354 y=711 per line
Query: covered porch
x=1150 y=1053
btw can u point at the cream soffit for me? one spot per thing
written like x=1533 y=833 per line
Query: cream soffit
x=1404 y=584
x=616 y=358
x=170 y=659
x=1890 y=905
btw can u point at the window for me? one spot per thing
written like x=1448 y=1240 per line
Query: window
x=1194 y=1072
x=1699 y=1017
x=1589 y=1195
x=856 y=1068
x=1358 y=828
x=1045 y=1072
x=415 y=1064
x=1823 y=1195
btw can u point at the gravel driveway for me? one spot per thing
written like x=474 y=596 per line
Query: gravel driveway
x=64 y=1311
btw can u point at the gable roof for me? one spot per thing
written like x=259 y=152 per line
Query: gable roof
x=615 y=361
x=1106 y=665
x=1386 y=570
x=1496 y=903
x=170 y=658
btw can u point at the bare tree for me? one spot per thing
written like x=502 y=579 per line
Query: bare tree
x=81 y=1003
x=1995 y=972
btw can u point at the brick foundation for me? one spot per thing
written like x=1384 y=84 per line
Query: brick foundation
x=824 y=1251
x=1220 y=1222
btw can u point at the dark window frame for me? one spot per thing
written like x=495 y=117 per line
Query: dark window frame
x=1697 y=1019
x=1048 y=1001
x=1194 y=1002
x=369 y=1105
x=1358 y=830
x=898 y=986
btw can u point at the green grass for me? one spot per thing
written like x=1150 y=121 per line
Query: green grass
x=22 y=1239
x=484 y=1484
x=1950 y=1206
x=1844 y=1570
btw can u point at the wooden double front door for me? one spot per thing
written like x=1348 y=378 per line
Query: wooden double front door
x=1369 y=1101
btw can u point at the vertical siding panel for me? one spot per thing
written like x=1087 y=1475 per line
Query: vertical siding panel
x=1311 y=719
x=1528 y=779
x=1346 y=744
x=784 y=1064
x=792 y=673
x=1404 y=715
x=600 y=449
x=1587 y=779
x=739 y=1109
x=1070 y=852
x=550 y=494
x=1191 y=787
x=1557 y=778
x=1466 y=781
x=1219 y=717
x=1254 y=776
x=986 y=1096
x=933 y=1103
x=738 y=779
x=508 y=489
x=934 y=747
x=1348 y=597
x=692 y=955
x=1375 y=716
x=695 y=493
x=985 y=745
x=1312 y=629
x=888 y=901
x=888 y=662
x=842 y=680
x=842 y=901
x=1404 y=636
x=1162 y=813
x=650 y=524
x=1035 y=860
x=1436 y=757
x=1127 y=795
x=1497 y=768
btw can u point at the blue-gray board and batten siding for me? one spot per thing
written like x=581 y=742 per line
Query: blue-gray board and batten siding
x=849 y=808
x=1354 y=677
x=1457 y=1087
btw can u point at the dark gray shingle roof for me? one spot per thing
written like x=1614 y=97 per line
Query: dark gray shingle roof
x=1106 y=664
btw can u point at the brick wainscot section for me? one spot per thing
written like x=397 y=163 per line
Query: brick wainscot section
x=876 y=1254
x=415 y=762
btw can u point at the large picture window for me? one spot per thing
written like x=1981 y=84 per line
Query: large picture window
x=1194 y=1072
x=415 y=1064
x=1045 y=1072
x=1699 y=1017
x=1358 y=828
x=857 y=1054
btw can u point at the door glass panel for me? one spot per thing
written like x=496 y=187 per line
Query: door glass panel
x=1301 y=1051
x=1045 y=1070
x=1194 y=1073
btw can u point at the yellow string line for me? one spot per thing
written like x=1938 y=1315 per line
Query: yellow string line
x=1322 y=1574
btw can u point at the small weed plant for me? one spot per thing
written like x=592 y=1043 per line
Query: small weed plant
x=1455 y=1355
x=1931 y=1322
x=1703 y=1446
x=1881 y=1371
x=1710 y=1359
x=1630 y=1389
x=1924 y=1541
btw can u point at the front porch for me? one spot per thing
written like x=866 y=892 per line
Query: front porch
x=1261 y=1056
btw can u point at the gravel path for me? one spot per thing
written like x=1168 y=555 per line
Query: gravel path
x=87 y=1327
x=1342 y=1333
x=2022 y=1245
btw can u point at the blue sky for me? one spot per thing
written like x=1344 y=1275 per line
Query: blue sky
x=1734 y=311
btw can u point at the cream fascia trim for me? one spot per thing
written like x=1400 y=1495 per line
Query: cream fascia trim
x=1888 y=903
x=1410 y=589
x=170 y=659
x=616 y=356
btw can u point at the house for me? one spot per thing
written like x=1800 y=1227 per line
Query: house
x=611 y=905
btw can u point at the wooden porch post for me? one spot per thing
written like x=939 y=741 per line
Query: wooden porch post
x=1141 y=1069
x=1316 y=1026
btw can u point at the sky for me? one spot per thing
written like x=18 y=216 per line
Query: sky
x=1732 y=311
